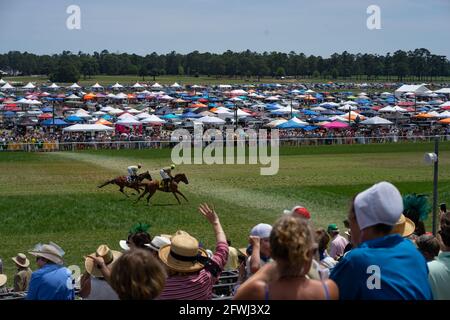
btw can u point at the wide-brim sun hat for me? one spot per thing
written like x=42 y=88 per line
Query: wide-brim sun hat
x=21 y=260
x=51 y=252
x=158 y=242
x=109 y=256
x=123 y=244
x=3 y=279
x=404 y=226
x=181 y=255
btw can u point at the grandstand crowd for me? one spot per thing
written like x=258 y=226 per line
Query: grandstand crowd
x=385 y=253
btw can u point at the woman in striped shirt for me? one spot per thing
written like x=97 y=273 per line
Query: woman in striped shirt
x=191 y=273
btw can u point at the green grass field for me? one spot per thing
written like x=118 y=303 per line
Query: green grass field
x=54 y=196
x=205 y=80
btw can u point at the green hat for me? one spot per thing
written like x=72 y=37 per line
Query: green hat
x=332 y=227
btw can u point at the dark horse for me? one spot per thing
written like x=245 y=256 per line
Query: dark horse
x=122 y=182
x=152 y=186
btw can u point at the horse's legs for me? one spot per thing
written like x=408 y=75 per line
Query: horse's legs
x=176 y=197
x=143 y=194
x=150 y=194
x=179 y=192
x=121 y=190
x=106 y=183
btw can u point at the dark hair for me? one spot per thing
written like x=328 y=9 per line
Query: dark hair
x=140 y=239
x=428 y=245
x=383 y=228
x=322 y=239
x=445 y=230
x=138 y=275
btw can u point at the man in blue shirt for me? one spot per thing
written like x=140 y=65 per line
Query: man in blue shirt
x=382 y=265
x=52 y=281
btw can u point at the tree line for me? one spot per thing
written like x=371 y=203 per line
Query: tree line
x=419 y=64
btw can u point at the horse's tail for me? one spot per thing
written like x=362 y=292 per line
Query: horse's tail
x=106 y=183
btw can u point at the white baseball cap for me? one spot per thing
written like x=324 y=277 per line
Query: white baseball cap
x=261 y=230
x=381 y=203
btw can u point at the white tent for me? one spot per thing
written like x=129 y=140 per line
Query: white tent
x=115 y=111
x=156 y=86
x=445 y=114
x=319 y=109
x=87 y=128
x=377 y=121
x=74 y=86
x=443 y=90
x=53 y=86
x=121 y=96
x=107 y=109
x=7 y=86
x=211 y=120
x=399 y=109
x=175 y=85
x=297 y=120
x=347 y=107
x=2 y=82
x=127 y=116
x=224 y=86
x=117 y=86
x=387 y=109
x=239 y=92
x=153 y=119
x=417 y=89
x=29 y=85
x=73 y=97
x=96 y=86
x=276 y=123
x=128 y=121
x=445 y=104
x=137 y=85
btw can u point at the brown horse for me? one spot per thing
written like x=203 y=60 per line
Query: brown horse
x=152 y=186
x=122 y=182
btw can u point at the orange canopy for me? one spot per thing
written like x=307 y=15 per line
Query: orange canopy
x=104 y=122
x=445 y=121
x=89 y=96
x=423 y=115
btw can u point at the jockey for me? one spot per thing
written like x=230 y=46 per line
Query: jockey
x=166 y=175
x=132 y=171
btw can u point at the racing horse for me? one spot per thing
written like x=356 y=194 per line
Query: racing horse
x=122 y=182
x=154 y=185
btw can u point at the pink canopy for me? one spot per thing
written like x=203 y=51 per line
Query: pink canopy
x=335 y=125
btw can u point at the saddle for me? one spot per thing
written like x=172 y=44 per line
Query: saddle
x=130 y=179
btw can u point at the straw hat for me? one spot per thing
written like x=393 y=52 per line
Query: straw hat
x=3 y=279
x=108 y=255
x=181 y=254
x=21 y=260
x=404 y=227
x=51 y=252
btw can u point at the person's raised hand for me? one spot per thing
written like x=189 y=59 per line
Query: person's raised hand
x=208 y=213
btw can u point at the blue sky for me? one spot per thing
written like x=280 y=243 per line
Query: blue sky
x=316 y=27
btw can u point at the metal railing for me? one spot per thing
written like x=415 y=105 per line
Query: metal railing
x=138 y=145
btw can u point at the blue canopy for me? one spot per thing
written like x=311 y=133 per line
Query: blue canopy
x=291 y=124
x=9 y=114
x=320 y=119
x=169 y=116
x=191 y=115
x=310 y=112
x=47 y=109
x=310 y=128
x=74 y=118
x=57 y=122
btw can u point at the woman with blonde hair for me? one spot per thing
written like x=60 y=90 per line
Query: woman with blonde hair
x=293 y=247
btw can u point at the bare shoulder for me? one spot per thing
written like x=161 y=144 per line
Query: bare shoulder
x=332 y=289
x=251 y=290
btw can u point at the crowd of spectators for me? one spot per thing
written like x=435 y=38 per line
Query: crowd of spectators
x=385 y=254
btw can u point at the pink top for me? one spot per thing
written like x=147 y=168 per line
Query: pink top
x=197 y=286
x=337 y=246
